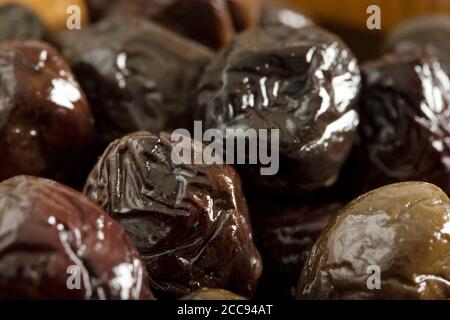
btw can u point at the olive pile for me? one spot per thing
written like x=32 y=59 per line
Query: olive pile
x=96 y=110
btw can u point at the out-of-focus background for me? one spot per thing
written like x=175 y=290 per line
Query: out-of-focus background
x=348 y=18
x=352 y=13
x=345 y=17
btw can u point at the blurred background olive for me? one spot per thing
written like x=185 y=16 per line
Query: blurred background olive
x=53 y=13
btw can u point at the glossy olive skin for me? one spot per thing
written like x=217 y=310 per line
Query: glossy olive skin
x=212 y=294
x=46 y=126
x=189 y=221
x=400 y=230
x=17 y=22
x=136 y=75
x=405 y=116
x=285 y=239
x=213 y=23
x=273 y=15
x=48 y=231
x=303 y=82
x=430 y=34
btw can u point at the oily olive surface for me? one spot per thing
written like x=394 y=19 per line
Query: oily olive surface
x=136 y=75
x=303 y=82
x=285 y=238
x=189 y=221
x=56 y=244
x=391 y=243
x=404 y=130
x=46 y=126
x=430 y=34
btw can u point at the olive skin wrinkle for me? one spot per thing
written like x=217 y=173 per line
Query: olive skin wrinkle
x=190 y=222
x=303 y=82
x=136 y=75
x=401 y=231
x=57 y=244
x=405 y=114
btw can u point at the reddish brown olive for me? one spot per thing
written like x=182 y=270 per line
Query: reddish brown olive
x=46 y=126
x=57 y=244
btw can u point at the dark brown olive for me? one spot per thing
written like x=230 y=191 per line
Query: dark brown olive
x=211 y=22
x=136 y=75
x=303 y=82
x=391 y=243
x=56 y=244
x=430 y=34
x=212 y=294
x=189 y=221
x=285 y=239
x=17 y=22
x=404 y=130
x=46 y=126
